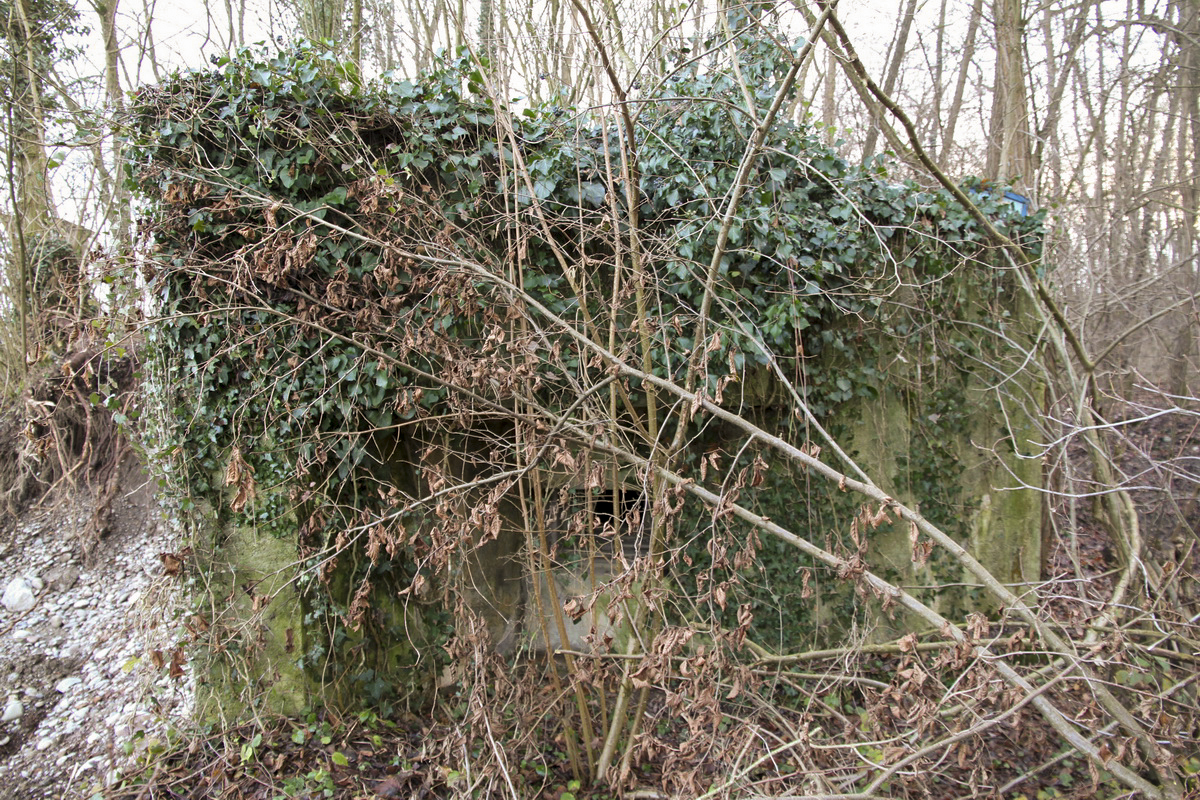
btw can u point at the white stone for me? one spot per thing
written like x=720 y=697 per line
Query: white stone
x=13 y=710
x=44 y=744
x=18 y=596
x=36 y=583
x=67 y=684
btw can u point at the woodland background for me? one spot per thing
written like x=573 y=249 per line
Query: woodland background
x=1090 y=109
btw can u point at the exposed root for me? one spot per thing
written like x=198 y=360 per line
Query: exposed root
x=67 y=430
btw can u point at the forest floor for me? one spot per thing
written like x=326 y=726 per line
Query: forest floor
x=77 y=672
x=91 y=666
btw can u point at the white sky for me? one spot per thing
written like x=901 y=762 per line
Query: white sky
x=186 y=33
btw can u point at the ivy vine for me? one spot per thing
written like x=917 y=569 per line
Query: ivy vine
x=306 y=232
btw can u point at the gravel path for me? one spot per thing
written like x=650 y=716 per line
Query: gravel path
x=85 y=678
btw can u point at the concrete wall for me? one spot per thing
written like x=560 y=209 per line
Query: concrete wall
x=249 y=622
x=262 y=651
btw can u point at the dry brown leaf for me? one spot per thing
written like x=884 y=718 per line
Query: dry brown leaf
x=393 y=785
x=573 y=608
x=172 y=563
x=240 y=475
x=760 y=469
x=178 y=660
x=564 y=458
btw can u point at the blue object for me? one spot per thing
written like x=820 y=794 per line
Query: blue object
x=1019 y=201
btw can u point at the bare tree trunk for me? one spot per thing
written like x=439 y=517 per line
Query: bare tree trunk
x=939 y=62
x=487 y=29
x=960 y=86
x=423 y=29
x=146 y=40
x=1008 y=152
x=829 y=97
x=119 y=213
x=46 y=271
x=899 y=48
x=356 y=33
x=1058 y=75
x=1187 y=38
x=321 y=20
x=855 y=79
x=231 y=42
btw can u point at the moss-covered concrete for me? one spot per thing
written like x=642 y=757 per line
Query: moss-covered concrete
x=589 y=590
x=266 y=652
x=249 y=622
x=1006 y=531
x=384 y=656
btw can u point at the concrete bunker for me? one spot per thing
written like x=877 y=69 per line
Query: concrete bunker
x=369 y=349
